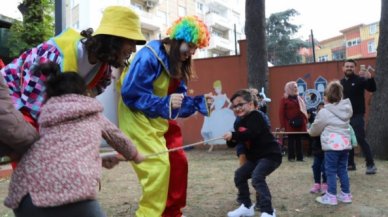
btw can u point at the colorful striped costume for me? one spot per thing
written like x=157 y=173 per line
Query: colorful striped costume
x=28 y=90
x=146 y=117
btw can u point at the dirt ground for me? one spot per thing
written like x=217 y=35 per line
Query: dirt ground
x=211 y=191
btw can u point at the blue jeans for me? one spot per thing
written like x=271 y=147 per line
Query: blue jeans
x=319 y=168
x=240 y=149
x=358 y=124
x=336 y=164
x=258 y=170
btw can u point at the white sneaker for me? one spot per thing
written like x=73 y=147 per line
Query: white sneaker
x=242 y=211
x=264 y=214
x=327 y=199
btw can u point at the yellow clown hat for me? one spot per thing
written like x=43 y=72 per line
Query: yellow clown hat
x=121 y=21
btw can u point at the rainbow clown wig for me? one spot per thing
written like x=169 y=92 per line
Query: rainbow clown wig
x=191 y=30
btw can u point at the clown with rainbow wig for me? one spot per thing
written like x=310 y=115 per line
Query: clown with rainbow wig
x=154 y=95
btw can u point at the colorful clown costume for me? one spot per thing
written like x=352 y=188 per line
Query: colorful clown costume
x=145 y=115
x=27 y=89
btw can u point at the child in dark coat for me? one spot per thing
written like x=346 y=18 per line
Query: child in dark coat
x=318 y=166
x=262 y=152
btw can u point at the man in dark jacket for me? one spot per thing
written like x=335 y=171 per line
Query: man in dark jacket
x=16 y=135
x=354 y=89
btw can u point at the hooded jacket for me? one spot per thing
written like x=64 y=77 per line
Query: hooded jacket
x=16 y=135
x=332 y=124
x=64 y=165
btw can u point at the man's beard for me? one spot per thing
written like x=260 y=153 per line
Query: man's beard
x=349 y=72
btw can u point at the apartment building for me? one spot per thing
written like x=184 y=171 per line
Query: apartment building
x=156 y=16
x=358 y=41
x=224 y=19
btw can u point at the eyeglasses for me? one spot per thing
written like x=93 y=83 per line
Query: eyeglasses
x=238 y=106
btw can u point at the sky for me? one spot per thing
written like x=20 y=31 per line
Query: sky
x=9 y=8
x=325 y=17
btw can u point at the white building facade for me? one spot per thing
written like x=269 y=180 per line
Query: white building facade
x=223 y=18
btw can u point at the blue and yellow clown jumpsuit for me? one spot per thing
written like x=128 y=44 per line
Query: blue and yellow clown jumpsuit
x=146 y=117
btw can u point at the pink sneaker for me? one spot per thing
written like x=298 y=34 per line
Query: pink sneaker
x=316 y=188
x=323 y=187
x=327 y=199
x=344 y=197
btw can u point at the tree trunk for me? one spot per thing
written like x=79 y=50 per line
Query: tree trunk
x=377 y=130
x=256 y=42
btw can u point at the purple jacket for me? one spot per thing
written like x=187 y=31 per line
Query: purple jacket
x=64 y=165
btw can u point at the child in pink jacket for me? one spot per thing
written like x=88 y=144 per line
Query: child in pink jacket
x=60 y=174
x=332 y=124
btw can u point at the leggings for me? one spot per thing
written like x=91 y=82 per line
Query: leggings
x=86 y=208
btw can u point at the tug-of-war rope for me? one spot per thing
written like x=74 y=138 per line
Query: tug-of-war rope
x=110 y=153
x=114 y=153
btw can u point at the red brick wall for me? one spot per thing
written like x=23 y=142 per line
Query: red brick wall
x=232 y=71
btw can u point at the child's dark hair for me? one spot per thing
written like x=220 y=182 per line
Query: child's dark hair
x=106 y=48
x=246 y=94
x=58 y=83
x=320 y=104
x=255 y=97
x=334 y=92
x=47 y=69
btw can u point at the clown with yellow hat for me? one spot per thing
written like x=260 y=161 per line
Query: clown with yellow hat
x=154 y=95
x=89 y=54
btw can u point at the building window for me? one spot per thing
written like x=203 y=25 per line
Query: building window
x=163 y=17
x=147 y=35
x=181 y=11
x=219 y=33
x=371 y=47
x=339 y=55
x=76 y=25
x=323 y=58
x=138 y=7
x=75 y=3
x=373 y=28
x=353 y=42
x=200 y=7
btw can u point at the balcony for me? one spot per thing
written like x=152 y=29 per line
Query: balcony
x=150 y=3
x=217 y=21
x=220 y=5
x=220 y=44
x=148 y=21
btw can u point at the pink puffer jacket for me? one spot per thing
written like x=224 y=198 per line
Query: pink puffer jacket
x=64 y=166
